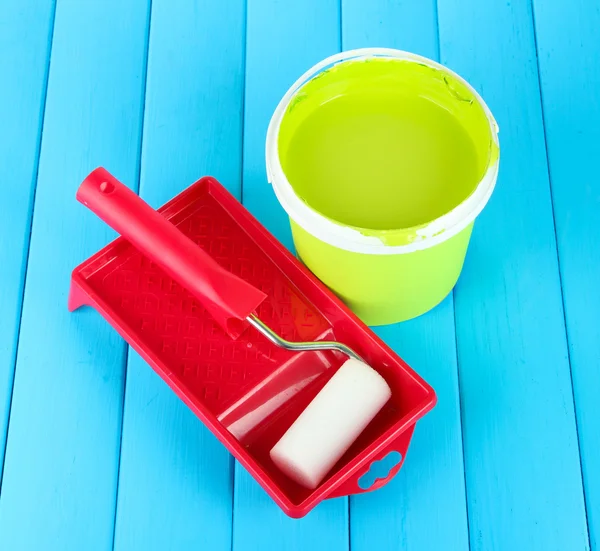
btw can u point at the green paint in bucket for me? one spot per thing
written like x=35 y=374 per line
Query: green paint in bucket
x=383 y=159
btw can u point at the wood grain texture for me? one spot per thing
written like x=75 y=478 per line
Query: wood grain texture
x=569 y=64
x=284 y=39
x=523 y=476
x=73 y=480
x=175 y=483
x=25 y=43
x=430 y=488
x=61 y=461
x=283 y=42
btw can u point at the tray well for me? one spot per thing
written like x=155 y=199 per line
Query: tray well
x=246 y=390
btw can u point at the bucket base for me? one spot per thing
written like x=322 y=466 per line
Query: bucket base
x=370 y=316
x=386 y=289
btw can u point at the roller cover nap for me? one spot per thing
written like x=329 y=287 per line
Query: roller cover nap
x=331 y=423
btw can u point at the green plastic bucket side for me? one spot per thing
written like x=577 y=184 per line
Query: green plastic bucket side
x=383 y=289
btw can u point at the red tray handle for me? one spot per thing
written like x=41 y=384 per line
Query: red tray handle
x=351 y=486
x=227 y=298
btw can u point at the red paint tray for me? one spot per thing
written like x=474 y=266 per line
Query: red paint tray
x=245 y=389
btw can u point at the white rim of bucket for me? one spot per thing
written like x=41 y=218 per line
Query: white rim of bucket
x=349 y=238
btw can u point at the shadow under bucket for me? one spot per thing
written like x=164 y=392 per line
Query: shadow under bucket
x=382 y=160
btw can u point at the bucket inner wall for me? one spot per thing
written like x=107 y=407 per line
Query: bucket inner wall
x=382 y=144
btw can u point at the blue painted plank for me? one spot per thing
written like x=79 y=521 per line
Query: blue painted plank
x=410 y=25
x=429 y=491
x=524 y=485
x=284 y=39
x=424 y=506
x=569 y=64
x=61 y=462
x=25 y=38
x=175 y=483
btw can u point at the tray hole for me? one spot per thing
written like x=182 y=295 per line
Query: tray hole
x=379 y=470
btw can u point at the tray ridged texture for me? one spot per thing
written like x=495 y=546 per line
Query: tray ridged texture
x=217 y=369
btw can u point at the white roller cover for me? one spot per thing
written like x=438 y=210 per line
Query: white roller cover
x=331 y=423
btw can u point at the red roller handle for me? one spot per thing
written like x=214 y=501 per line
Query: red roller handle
x=227 y=298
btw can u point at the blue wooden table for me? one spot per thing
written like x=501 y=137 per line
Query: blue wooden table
x=97 y=453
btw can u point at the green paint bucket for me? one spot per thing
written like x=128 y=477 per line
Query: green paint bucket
x=383 y=159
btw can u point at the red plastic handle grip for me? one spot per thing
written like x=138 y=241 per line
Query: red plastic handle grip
x=227 y=298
